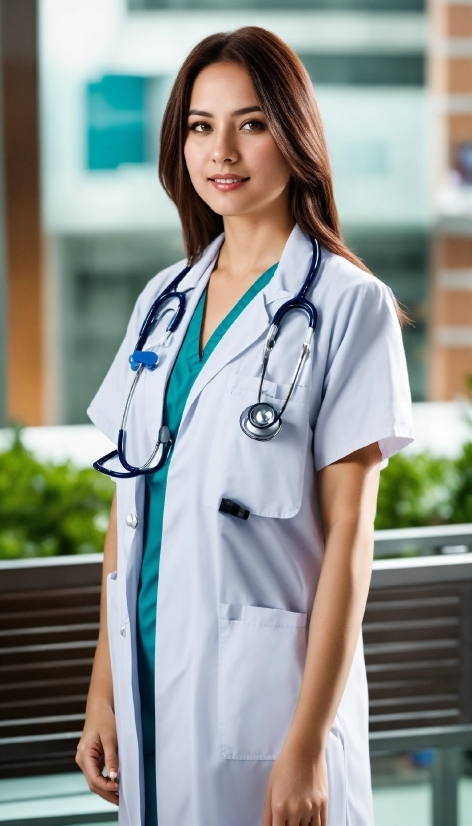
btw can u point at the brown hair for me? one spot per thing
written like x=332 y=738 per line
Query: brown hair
x=285 y=95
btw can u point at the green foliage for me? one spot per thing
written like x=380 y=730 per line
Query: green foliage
x=48 y=509
x=461 y=499
x=424 y=490
x=416 y=490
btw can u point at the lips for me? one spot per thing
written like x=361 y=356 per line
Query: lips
x=227 y=182
x=222 y=179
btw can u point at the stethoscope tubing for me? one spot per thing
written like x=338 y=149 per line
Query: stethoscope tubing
x=297 y=303
x=169 y=293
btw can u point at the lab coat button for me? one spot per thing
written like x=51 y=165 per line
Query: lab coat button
x=132 y=520
x=123 y=630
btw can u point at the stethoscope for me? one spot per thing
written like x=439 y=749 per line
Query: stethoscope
x=260 y=421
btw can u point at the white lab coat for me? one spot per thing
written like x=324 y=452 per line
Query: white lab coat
x=235 y=596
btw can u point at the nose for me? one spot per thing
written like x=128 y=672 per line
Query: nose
x=224 y=150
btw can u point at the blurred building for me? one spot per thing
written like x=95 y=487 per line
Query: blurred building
x=105 y=68
x=451 y=284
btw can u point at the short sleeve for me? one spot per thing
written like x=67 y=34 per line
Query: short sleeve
x=366 y=395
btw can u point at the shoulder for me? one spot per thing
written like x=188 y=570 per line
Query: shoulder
x=343 y=287
x=344 y=279
x=356 y=311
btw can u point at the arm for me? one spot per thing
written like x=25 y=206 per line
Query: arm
x=98 y=742
x=297 y=791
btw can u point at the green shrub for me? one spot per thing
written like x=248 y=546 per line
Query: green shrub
x=461 y=499
x=48 y=509
x=417 y=490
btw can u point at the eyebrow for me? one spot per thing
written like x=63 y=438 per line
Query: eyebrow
x=245 y=111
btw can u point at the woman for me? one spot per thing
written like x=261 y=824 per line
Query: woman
x=242 y=716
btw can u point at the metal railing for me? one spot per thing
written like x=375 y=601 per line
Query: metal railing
x=434 y=539
x=418 y=649
x=417 y=637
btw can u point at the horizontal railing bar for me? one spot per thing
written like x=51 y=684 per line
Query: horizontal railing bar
x=66 y=699
x=414 y=645
x=52 y=646
x=415 y=715
x=435 y=536
x=411 y=699
x=459 y=736
x=39 y=573
x=37 y=684
x=31 y=721
x=49 y=613
x=50 y=629
x=92 y=818
x=411 y=624
x=42 y=562
x=38 y=738
x=421 y=570
x=412 y=604
x=50 y=664
x=410 y=687
x=413 y=665
x=42 y=572
x=394 y=539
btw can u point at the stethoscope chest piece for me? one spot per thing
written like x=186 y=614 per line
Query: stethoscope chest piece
x=260 y=421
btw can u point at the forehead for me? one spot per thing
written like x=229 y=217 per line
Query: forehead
x=223 y=85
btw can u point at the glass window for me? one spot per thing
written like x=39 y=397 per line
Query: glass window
x=366 y=69
x=116 y=121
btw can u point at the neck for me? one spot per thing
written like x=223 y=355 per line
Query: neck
x=253 y=243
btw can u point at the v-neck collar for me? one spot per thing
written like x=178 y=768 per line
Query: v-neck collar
x=197 y=358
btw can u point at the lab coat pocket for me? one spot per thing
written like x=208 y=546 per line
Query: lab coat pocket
x=261 y=660
x=264 y=477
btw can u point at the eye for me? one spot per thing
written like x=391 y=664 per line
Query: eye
x=253 y=126
x=200 y=126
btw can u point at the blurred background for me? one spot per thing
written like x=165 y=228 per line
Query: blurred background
x=84 y=224
x=85 y=84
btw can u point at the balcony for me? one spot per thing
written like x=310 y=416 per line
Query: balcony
x=417 y=632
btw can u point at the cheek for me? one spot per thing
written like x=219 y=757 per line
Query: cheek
x=193 y=158
x=270 y=163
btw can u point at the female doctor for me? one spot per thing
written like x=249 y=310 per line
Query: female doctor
x=229 y=685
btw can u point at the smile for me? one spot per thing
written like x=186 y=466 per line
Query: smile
x=225 y=184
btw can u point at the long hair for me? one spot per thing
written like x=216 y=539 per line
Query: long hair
x=285 y=95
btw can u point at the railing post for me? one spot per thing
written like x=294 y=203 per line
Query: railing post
x=446 y=773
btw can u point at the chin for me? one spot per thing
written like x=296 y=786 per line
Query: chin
x=231 y=210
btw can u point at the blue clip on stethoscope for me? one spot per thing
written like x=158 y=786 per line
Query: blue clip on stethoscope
x=260 y=421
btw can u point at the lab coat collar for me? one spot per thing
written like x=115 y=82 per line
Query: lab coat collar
x=252 y=325
x=202 y=266
x=293 y=267
x=193 y=283
x=254 y=322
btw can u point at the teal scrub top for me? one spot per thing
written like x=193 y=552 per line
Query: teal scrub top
x=186 y=368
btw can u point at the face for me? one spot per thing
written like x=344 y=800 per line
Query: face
x=233 y=161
